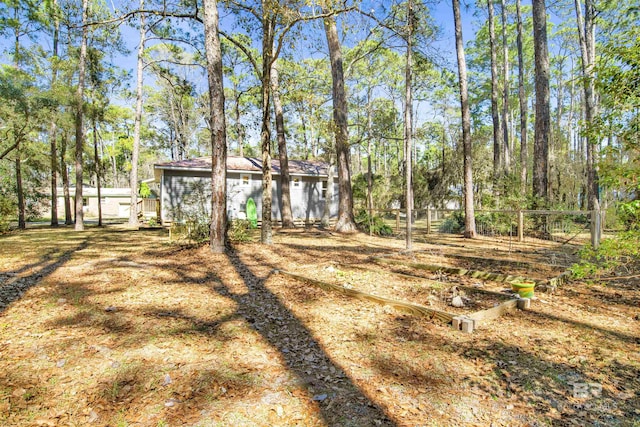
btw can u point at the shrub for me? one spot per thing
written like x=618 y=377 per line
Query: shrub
x=372 y=224
x=494 y=223
x=198 y=228
x=620 y=254
x=7 y=210
x=629 y=214
x=239 y=231
x=453 y=224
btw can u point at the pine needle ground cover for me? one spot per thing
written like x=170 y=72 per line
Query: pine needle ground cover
x=122 y=328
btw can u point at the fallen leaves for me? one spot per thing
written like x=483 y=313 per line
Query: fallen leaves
x=132 y=331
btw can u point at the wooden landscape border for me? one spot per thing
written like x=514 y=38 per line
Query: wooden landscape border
x=466 y=322
x=477 y=274
x=406 y=307
x=544 y=285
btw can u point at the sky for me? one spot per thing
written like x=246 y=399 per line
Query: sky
x=441 y=11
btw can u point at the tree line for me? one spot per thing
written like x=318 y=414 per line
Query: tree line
x=543 y=113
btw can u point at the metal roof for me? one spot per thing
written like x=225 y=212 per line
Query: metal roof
x=249 y=164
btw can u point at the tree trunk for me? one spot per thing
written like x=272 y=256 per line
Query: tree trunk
x=52 y=125
x=522 y=97
x=469 y=214
x=570 y=113
x=542 y=124
x=495 y=114
x=346 y=222
x=268 y=29
x=239 y=127
x=505 y=91
x=408 y=128
x=80 y=118
x=285 y=179
x=218 y=230
x=54 y=177
x=369 y=162
x=328 y=199
x=305 y=137
x=20 y=190
x=68 y=220
x=586 y=32
x=97 y=162
x=133 y=175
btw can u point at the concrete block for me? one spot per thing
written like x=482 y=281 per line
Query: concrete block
x=467 y=326
x=456 y=323
x=524 y=303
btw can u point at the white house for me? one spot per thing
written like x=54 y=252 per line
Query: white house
x=185 y=188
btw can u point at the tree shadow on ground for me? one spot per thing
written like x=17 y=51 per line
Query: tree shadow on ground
x=327 y=383
x=607 y=334
x=616 y=294
x=352 y=254
x=15 y=286
x=564 y=394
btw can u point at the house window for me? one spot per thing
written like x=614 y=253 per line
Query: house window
x=296 y=182
x=245 y=180
x=324 y=189
x=85 y=201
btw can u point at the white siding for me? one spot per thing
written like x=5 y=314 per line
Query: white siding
x=190 y=191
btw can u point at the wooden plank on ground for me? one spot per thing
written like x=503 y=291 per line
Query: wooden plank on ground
x=476 y=274
x=493 y=313
x=553 y=283
x=406 y=307
x=513 y=262
x=485 y=292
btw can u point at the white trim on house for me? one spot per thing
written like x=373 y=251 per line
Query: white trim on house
x=240 y=171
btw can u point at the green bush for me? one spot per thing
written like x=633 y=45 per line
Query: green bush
x=494 y=223
x=372 y=224
x=198 y=228
x=144 y=190
x=618 y=255
x=629 y=214
x=239 y=231
x=7 y=211
x=453 y=224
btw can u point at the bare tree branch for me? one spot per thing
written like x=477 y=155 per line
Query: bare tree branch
x=126 y=16
x=244 y=50
x=10 y=149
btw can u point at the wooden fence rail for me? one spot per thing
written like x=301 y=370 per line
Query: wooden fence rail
x=432 y=214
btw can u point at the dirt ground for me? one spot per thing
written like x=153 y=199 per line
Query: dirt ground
x=117 y=327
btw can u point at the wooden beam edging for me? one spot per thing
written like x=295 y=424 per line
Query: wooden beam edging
x=493 y=313
x=543 y=285
x=504 y=261
x=552 y=284
x=476 y=274
x=471 y=289
x=406 y=307
x=467 y=323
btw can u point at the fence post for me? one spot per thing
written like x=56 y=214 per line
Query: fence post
x=595 y=228
x=397 y=220
x=428 y=220
x=520 y=225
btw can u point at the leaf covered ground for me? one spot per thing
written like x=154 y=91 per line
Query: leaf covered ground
x=116 y=327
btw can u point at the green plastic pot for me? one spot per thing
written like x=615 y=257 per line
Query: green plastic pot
x=524 y=289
